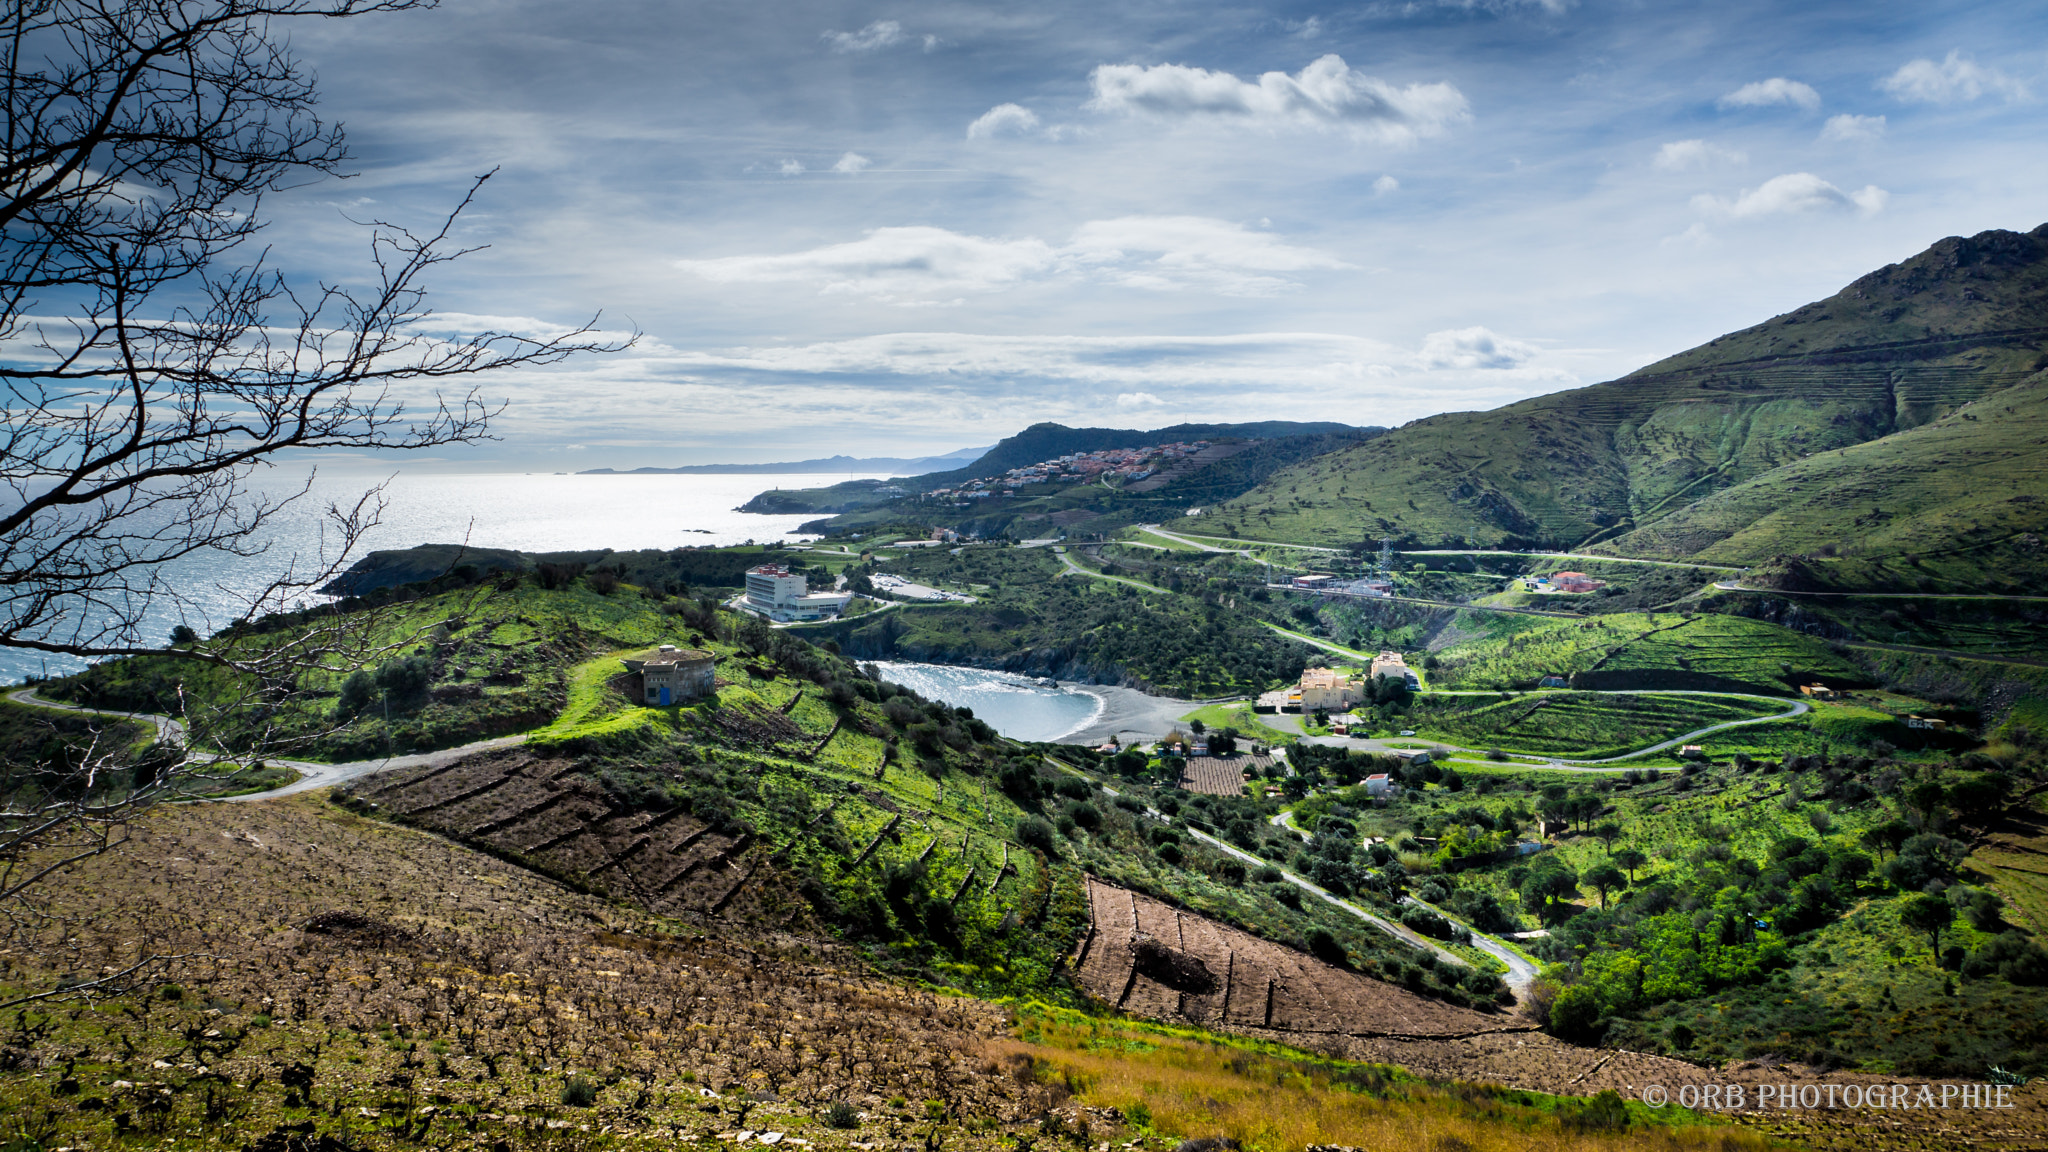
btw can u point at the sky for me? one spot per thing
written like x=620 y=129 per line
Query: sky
x=898 y=229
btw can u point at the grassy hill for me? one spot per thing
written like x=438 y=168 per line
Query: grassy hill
x=1707 y=652
x=1903 y=348
x=755 y=896
x=1955 y=505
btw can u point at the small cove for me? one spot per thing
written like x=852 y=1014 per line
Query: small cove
x=1013 y=705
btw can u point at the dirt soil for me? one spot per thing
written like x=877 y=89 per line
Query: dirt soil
x=540 y=810
x=1276 y=993
x=380 y=982
x=1219 y=775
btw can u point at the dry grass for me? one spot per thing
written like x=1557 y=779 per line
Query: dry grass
x=1270 y=1101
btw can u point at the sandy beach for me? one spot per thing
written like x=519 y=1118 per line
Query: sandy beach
x=1129 y=715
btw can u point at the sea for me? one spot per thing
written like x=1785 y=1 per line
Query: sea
x=1016 y=706
x=533 y=512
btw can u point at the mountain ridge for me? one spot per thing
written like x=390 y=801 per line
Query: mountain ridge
x=1897 y=349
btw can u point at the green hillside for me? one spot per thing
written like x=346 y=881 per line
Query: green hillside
x=1642 y=651
x=1900 y=349
x=1954 y=505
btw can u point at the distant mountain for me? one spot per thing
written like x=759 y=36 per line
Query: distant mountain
x=1800 y=434
x=893 y=465
x=1035 y=444
x=1048 y=441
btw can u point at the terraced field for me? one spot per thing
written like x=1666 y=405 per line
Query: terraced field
x=1219 y=978
x=1231 y=979
x=1579 y=724
x=2014 y=854
x=541 y=810
x=1643 y=650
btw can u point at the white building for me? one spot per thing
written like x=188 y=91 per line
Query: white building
x=775 y=592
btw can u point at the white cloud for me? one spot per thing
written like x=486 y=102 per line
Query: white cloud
x=1326 y=94
x=1307 y=29
x=923 y=264
x=1776 y=90
x=1003 y=120
x=792 y=168
x=1472 y=348
x=1497 y=7
x=1171 y=252
x=873 y=38
x=1793 y=192
x=1958 y=79
x=1697 y=237
x=1695 y=155
x=1850 y=129
x=891 y=263
x=1384 y=185
x=851 y=163
x=1137 y=400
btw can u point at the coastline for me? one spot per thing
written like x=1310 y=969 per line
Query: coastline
x=1128 y=714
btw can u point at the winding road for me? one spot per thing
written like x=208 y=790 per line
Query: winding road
x=1078 y=570
x=1521 y=972
x=1797 y=708
x=312 y=774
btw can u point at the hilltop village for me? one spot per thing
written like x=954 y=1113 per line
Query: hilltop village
x=1126 y=465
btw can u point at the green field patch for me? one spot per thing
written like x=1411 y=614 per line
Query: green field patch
x=1580 y=725
x=1241 y=717
x=1642 y=650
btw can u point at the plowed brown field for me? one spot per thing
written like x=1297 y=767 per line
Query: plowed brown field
x=1276 y=993
x=1219 y=776
x=539 y=810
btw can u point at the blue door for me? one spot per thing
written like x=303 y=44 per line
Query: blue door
x=664 y=696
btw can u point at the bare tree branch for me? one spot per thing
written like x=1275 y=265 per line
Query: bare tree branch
x=151 y=360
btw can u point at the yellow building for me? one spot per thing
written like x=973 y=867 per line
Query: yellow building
x=1325 y=689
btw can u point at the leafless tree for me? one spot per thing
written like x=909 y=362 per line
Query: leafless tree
x=148 y=373
x=153 y=361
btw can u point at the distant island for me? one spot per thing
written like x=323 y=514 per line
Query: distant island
x=895 y=466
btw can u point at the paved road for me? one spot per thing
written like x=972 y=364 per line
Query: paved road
x=1197 y=545
x=312 y=774
x=1521 y=973
x=1569 y=556
x=1399 y=932
x=166 y=728
x=1738 y=586
x=1796 y=708
x=1080 y=571
x=315 y=775
x=1325 y=645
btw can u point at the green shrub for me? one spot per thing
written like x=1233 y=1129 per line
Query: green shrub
x=579 y=1091
x=1602 y=1113
x=1036 y=832
x=841 y=1115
